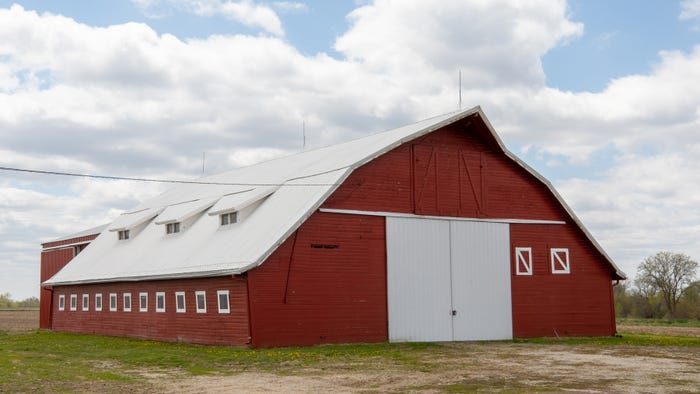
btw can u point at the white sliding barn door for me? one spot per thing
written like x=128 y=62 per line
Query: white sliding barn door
x=447 y=280
x=481 y=294
x=418 y=267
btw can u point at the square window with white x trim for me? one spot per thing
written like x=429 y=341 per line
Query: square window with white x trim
x=523 y=261
x=560 y=261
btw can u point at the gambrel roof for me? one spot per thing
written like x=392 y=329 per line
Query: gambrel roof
x=272 y=199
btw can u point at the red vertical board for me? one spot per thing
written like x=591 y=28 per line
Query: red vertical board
x=449 y=172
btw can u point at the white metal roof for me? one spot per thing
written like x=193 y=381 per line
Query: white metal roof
x=84 y=233
x=273 y=198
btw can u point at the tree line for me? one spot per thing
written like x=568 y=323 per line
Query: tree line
x=663 y=288
x=6 y=302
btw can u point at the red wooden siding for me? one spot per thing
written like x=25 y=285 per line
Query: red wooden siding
x=51 y=262
x=458 y=172
x=204 y=328
x=450 y=172
x=546 y=304
x=325 y=284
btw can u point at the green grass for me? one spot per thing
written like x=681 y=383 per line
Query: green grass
x=69 y=361
x=630 y=321
x=28 y=358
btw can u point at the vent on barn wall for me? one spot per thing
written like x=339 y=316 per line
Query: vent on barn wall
x=325 y=246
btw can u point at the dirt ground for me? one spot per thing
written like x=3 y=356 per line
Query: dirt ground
x=481 y=367
x=661 y=330
x=19 y=320
x=457 y=367
x=490 y=367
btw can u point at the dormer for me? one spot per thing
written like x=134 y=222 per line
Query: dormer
x=129 y=224
x=233 y=207
x=178 y=217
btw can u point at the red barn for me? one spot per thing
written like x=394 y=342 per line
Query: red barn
x=54 y=256
x=430 y=232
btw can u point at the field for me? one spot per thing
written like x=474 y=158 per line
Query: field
x=40 y=361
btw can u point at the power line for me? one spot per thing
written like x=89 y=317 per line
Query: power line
x=155 y=180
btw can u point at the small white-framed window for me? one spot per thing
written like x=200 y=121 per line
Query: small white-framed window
x=86 y=302
x=123 y=235
x=201 y=298
x=113 y=302
x=127 y=302
x=228 y=218
x=172 y=228
x=160 y=302
x=98 y=302
x=222 y=296
x=73 y=302
x=523 y=261
x=143 y=302
x=61 y=302
x=560 y=261
x=180 y=302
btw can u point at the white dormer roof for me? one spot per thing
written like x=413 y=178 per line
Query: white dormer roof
x=288 y=190
x=130 y=220
x=236 y=202
x=183 y=211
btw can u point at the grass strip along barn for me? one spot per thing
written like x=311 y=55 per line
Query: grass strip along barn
x=429 y=232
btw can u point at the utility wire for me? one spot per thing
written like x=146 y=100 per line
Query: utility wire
x=155 y=180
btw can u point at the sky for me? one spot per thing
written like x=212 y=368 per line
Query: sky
x=601 y=97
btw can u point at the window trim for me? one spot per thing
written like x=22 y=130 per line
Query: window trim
x=126 y=306
x=554 y=256
x=123 y=235
x=61 y=302
x=219 y=293
x=196 y=300
x=160 y=295
x=112 y=296
x=142 y=307
x=85 y=306
x=172 y=228
x=229 y=218
x=73 y=302
x=523 y=259
x=98 y=302
x=179 y=294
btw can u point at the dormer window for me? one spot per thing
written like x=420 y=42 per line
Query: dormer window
x=228 y=218
x=172 y=228
x=123 y=235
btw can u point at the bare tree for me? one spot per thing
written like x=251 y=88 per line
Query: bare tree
x=667 y=273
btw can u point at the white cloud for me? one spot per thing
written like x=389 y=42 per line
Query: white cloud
x=125 y=100
x=246 y=12
x=291 y=6
x=690 y=9
x=495 y=43
x=642 y=205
